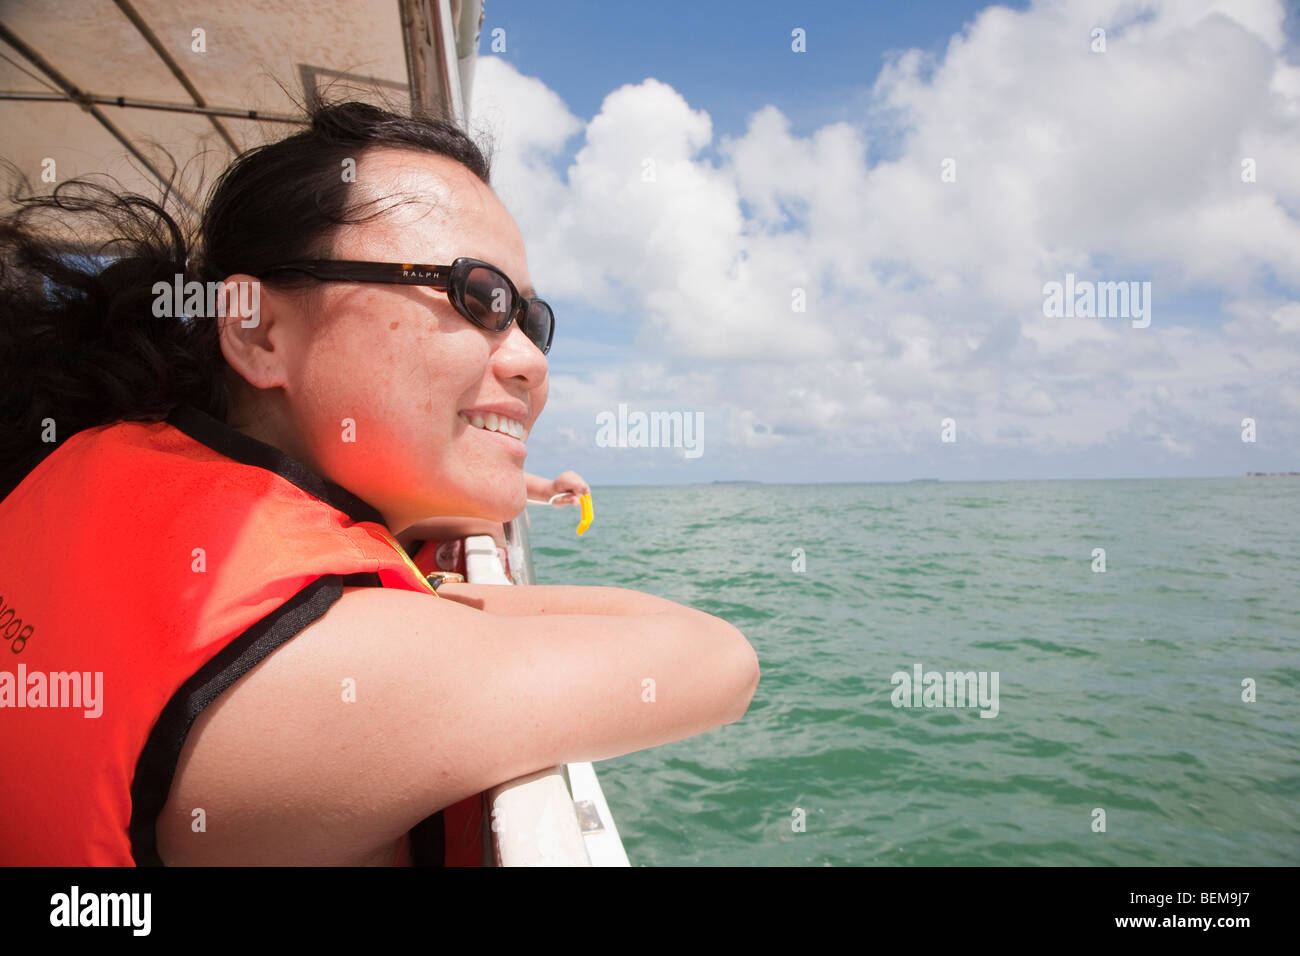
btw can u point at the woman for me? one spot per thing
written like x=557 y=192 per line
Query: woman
x=200 y=521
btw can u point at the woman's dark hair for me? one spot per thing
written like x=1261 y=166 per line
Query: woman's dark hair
x=79 y=342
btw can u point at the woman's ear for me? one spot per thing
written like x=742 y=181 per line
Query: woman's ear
x=253 y=330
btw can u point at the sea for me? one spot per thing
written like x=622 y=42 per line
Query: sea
x=1144 y=634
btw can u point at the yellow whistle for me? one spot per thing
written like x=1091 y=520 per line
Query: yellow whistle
x=587 y=513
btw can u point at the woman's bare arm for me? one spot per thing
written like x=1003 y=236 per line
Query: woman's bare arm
x=560 y=599
x=449 y=701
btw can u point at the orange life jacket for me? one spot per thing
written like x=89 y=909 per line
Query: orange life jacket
x=144 y=568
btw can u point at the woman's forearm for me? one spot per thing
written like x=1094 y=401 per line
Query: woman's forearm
x=520 y=601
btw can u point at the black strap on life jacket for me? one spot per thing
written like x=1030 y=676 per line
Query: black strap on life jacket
x=429 y=842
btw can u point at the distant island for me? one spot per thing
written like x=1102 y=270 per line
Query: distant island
x=915 y=481
x=1273 y=474
x=737 y=481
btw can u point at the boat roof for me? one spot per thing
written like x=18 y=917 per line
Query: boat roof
x=106 y=86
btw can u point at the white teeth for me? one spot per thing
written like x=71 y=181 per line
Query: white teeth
x=497 y=423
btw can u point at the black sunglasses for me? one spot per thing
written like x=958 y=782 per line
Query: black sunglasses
x=477 y=290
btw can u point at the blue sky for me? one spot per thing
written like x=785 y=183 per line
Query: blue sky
x=707 y=50
x=776 y=174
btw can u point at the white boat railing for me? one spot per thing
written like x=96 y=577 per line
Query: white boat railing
x=557 y=816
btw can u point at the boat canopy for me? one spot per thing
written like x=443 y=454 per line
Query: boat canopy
x=155 y=92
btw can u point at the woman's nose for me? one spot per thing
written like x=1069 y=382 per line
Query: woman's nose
x=519 y=356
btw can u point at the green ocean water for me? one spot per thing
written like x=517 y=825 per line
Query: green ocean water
x=1120 y=690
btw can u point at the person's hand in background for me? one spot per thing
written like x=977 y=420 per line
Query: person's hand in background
x=568 y=483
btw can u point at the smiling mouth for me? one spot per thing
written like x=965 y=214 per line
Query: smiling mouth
x=492 y=422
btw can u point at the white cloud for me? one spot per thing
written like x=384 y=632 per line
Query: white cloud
x=924 y=297
x=525 y=123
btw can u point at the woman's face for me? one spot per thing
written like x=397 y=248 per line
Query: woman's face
x=380 y=380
